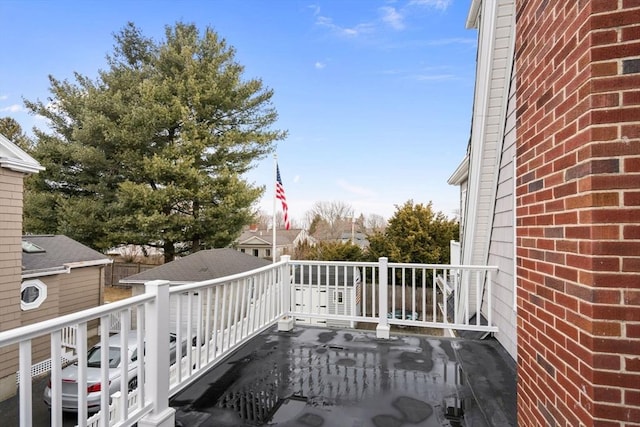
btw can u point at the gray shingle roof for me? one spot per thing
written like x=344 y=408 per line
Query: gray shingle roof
x=60 y=251
x=203 y=265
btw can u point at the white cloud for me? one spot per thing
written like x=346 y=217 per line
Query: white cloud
x=434 y=77
x=320 y=65
x=15 y=108
x=359 y=29
x=392 y=17
x=354 y=189
x=315 y=8
x=436 y=4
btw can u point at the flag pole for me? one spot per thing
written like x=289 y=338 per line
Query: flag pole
x=273 y=219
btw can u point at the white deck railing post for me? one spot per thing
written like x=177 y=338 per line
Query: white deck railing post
x=156 y=359
x=382 y=330
x=286 y=322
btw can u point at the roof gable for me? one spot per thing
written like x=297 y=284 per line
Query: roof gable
x=14 y=158
x=261 y=237
x=255 y=240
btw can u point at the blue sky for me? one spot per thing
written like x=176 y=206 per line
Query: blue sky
x=376 y=94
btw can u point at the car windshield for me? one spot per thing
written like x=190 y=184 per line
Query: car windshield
x=93 y=358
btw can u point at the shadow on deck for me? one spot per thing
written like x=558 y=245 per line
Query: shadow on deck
x=329 y=377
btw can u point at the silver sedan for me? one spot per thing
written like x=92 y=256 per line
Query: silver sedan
x=70 y=373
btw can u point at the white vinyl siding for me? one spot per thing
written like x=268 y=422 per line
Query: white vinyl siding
x=501 y=245
x=493 y=75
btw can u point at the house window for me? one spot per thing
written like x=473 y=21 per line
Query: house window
x=338 y=297
x=32 y=294
x=242 y=250
x=268 y=252
x=255 y=252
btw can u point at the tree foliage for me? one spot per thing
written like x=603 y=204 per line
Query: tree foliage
x=415 y=234
x=11 y=129
x=153 y=151
x=329 y=251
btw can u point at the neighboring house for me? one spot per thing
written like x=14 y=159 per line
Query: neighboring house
x=15 y=165
x=41 y=277
x=197 y=267
x=357 y=238
x=60 y=276
x=550 y=189
x=327 y=290
x=259 y=242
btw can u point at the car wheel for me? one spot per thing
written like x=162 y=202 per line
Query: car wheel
x=133 y=383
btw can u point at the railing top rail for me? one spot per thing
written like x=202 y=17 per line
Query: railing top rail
x=340 y=263
x=14 y=336
x=226 y=279
x=445 y=266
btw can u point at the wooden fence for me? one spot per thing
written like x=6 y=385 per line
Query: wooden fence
x=120 y=270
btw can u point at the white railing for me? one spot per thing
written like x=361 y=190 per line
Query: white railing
x=426 y=295
x=215 y=317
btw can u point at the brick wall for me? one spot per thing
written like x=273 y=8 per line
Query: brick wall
x=578 y=212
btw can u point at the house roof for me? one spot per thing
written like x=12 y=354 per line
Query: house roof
x=14 y=158
x=265 y=237
x=59 y=253
x=202 y=265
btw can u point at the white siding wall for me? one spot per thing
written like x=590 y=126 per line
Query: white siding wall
x=501 y=245
x=493 y=74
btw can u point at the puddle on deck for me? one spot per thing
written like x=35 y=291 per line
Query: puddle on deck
x=314 y=377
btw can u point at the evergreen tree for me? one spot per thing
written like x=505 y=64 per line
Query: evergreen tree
x=415 y=234
x=153 y=151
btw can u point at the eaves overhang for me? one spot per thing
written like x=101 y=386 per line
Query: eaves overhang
x=461 y=173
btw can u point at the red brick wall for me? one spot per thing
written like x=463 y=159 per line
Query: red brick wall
x=578 y=212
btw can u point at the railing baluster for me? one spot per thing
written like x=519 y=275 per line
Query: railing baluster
x=236 y=314
x=140 y=327
x=465 y=284
x=424 y=294
x=188 y=333
x=445 y=315
x=478 y=298
x=216 y=315
x=393 y=291
x=413 y=293
x=489 y=299
x=382 y=330
x=105 y=327
x=222 y=318
x=243 y=311
x=82 y=373
x=199 y=338
x=179 y=300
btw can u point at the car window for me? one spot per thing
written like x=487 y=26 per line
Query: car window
x=94 y=357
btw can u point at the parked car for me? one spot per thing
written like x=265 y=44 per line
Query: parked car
x=408 y=315
x=70 y=373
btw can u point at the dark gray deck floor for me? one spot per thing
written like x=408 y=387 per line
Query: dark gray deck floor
x=323 y=377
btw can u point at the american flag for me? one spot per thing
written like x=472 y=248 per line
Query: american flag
x=280 y=195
